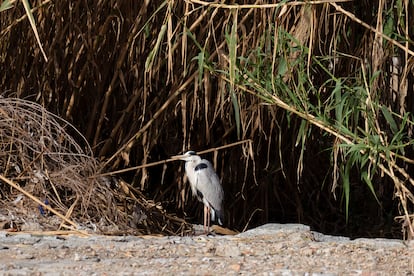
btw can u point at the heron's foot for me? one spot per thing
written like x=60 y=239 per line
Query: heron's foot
x=201 y=230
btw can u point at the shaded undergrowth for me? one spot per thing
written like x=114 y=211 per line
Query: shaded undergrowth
x=323 y=89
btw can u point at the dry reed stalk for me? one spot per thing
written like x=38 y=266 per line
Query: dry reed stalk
x=372 y=29
x=249 y=141
x=264 y=6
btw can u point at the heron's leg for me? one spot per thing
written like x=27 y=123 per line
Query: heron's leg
x=205 y=218
x=208 y=219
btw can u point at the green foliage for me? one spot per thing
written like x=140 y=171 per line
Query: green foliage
x=233 y=74
x=5 y=5
x=357 y=111
x=153 y=54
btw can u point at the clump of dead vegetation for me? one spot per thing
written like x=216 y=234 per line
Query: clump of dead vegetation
x=44 y=168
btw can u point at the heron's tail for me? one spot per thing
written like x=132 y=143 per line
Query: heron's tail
x=219 y=214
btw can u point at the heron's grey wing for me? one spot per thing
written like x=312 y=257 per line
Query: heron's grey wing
x=208 y=184
x=209 y=189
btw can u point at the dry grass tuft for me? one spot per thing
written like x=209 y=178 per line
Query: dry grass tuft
x=41 y=161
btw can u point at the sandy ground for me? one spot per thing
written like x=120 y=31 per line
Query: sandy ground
x=273 y=249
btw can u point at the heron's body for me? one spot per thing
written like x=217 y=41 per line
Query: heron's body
x=205 y=184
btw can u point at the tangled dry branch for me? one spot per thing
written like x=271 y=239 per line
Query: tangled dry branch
x=39 y=152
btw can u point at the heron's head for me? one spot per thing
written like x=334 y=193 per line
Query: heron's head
x=188 y=156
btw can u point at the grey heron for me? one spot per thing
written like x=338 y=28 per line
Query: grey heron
x=205 y=184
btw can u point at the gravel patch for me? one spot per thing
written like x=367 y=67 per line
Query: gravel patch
x=272 y=249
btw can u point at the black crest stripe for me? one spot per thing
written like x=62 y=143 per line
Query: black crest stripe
x=200 y=166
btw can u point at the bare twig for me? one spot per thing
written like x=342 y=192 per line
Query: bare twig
x=170 y=159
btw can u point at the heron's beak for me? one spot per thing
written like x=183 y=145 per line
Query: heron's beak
x=179 y=157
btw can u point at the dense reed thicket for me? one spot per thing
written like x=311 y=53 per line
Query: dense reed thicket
x=323 y=90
